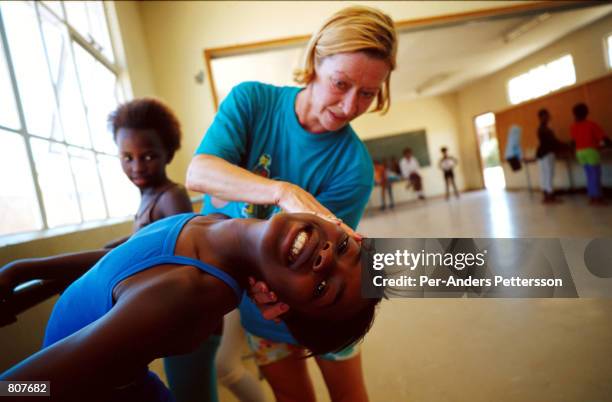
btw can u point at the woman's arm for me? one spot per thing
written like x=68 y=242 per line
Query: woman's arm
x=221 y=179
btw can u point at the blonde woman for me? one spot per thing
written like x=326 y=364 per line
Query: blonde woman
x=293 y=149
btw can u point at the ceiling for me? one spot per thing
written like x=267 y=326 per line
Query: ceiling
x=440 y=60
x=431 y=60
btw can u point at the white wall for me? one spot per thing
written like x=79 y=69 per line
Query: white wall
x=489 y=94
x=438 y=117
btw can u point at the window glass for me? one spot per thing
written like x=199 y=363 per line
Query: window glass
x=55 y=6
x=18 y=206
x=8 y=108
x=100 y=91
x=64 y=78
x=609 y=47
x=56 y=182
x=124 y=197
x=89 y=19
x=76 y=12
x=99 y=29
x=31 y=70
x=88 y=183
x=542 y=80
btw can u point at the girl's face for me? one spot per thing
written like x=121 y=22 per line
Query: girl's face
x=143 y=156
x=312 y=265
x=344 y=87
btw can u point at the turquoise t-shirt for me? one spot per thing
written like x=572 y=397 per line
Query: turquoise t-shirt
x=256 y=128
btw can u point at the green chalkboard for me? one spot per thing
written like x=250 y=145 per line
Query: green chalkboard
x=392 y=146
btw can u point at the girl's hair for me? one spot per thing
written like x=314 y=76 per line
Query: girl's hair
x=581 y=111
x=327 y=336
x=353 y=29
x=148 y=114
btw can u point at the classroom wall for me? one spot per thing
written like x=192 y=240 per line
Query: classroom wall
x=438 y=117
x=489 y=95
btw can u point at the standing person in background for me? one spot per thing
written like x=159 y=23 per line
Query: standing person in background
x=547 y=147
x=409 y=167
x=447 y=164
x=392 y=175
x=381 y=179
x=313 y=162
x=588 y=136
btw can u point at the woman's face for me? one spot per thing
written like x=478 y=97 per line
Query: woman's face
x=143 y=156
x=344 y=87
x=312 y=265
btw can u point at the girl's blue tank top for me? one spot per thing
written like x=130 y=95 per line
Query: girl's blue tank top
x=91 y=296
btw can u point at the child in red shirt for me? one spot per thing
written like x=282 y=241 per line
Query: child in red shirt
x=588 y=136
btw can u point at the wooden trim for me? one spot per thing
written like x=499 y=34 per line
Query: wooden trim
x=259 y=46
x=211 y=80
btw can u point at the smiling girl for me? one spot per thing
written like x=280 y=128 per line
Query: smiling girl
x=166 y=289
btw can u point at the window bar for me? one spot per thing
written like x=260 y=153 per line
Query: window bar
x=77 y=37
x=91 y=139
x=57 y=111
x=22 y=122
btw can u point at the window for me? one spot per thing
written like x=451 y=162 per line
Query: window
x=609 y=50
x=542 y=79
x=58 y=83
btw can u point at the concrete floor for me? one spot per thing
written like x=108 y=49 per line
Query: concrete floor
x=506 y=350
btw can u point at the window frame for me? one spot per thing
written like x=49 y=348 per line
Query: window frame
x=607 y=48
x=75 y=39
x=509 y=99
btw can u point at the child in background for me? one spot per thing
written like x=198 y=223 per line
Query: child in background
x=447 y=164
x=147 y=134
x=548 y=146
x=409 y=167
x=380 y=179
x=588 y=136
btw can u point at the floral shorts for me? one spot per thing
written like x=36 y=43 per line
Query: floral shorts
x=267 y=351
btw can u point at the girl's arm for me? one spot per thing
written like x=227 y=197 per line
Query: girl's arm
x=55 y=272
x=172 y=202
x=115 y=349
x=64 y=267
x=116 y=242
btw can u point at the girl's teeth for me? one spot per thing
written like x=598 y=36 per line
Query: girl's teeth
x=298 y=245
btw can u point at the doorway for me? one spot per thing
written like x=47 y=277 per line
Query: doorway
x=488 y=147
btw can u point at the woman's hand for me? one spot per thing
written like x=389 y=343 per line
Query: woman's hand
x=266 y=301
x=292 y=198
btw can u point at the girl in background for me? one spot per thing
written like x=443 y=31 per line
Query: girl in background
x=147 y=134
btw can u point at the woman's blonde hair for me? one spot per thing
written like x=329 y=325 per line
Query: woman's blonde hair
x=353 y=29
